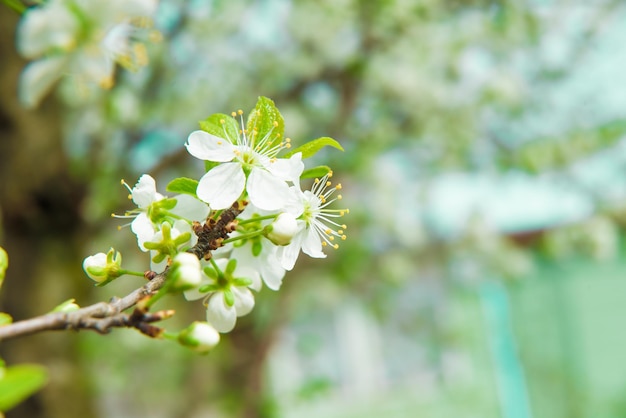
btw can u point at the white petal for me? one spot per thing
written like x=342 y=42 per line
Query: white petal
x=181 y=226
x=38 y=78
x=267 y=264
x=190 y=208
x=143 y=228
x=267 y=191
x=287 y=169
x=244 y=300
x=194 y=294
x=209 y=147
x=219 y=314
x=248 y=272
x=160 y=266
x=144 y=193
x=96 y=68
x=52 y=26
x=272 y=273
x=288 y=254
x=312 y=244
x=222 y=185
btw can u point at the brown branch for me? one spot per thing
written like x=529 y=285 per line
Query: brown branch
x=100 y=317
x=103 y=316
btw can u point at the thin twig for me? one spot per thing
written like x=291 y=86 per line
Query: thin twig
x=100 y=317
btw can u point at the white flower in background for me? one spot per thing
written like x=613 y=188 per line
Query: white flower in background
x=83 y=39
x=249 y=163
x=199 y=336
x=317 y=229
x=226 y=291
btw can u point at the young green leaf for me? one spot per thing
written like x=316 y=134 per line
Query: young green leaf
x=5 y=319
x=183 y=185
x=4 y=264
x=222 y=126
x=263 y=120
x=67 y=306
x=312 y=147
x=315 y=172
x=19 y=382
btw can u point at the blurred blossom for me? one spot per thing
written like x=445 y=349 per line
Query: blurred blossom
x=82 y=39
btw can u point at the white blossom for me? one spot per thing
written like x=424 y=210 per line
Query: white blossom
x=316 y=227
x=83 y=39
x=248 y=163
x=225 y=297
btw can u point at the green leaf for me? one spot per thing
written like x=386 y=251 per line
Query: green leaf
x=4 y=264
x=67 y=306
x=19 y=382
x=265 y=119
x=319 y=171
x=5 y=319
x=222 y=126
x=311 y=148
x=183 y=185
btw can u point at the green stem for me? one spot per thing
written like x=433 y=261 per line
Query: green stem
x=15 y=5
x=243 y=236
x=169 y=335
x=257 y=218
x=132 y=273
x=162 y=292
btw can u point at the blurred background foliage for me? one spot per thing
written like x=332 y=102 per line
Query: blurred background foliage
x=484 y=170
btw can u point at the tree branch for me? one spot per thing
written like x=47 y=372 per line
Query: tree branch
x=100 y=317
x=103 y=316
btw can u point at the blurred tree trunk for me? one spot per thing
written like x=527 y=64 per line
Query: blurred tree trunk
x=41 y=231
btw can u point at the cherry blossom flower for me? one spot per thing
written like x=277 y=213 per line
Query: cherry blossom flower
x=226 y=292
x=316 y=226
x=248 y=163
x=153 y=208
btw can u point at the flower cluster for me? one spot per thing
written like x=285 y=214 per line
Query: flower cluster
x=82 y=39
x=243 y=223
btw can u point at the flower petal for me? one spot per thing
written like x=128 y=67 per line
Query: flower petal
x=222 y=185
x=50 y=27
x=266 y=191
x=312 y=244
x=244 y=300
x=190 y=208
x=144 y=193
x=38 y=78
x=143 y=228
x=209 y=147
x=288 y=254
x=219 y=314
x=288 y=169
x=195 y=294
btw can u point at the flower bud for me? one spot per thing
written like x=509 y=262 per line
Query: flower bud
x=199 y=336
x=282 y=230
x=185 y=272
x=102 y=268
